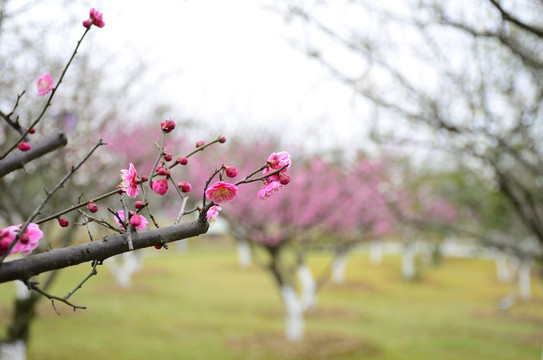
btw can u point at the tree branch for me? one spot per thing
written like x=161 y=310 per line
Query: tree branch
x=42 y=146
x=99 y=250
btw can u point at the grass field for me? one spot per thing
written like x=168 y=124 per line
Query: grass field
x=201 y=305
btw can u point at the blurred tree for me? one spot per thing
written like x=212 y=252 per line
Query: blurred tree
x=460 y=77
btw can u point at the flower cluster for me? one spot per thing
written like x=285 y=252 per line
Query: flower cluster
x=27 y=242
x=95 y=18
x=275 y=181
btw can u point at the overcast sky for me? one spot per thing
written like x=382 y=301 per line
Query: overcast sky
x=233 y=65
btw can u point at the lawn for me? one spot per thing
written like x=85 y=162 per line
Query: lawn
x=201 y=305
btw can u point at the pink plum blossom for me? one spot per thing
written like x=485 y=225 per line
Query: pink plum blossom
x=160 y=186
x=212 y=213
x=140 y=222
x=45 y=84
x=277 y=161
x=95 y=18
x=267 y=190
x=222 y=192
x=130 y=181
x=27 y=242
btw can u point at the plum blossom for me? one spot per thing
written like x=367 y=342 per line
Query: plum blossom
x=222 y=192
x=140 y=222
x=45 y=84
x=27 y=242
x=130 y=181
x=160 y=186
x=267 y=190
x=212 y=213
x=95 y=18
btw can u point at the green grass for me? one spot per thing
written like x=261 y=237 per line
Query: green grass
x=201 y=305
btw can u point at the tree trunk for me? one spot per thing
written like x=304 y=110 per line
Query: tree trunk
x=502 y=268
x=294 y=318
x=409 y=269
x=13 y=350
x=244 y=253
x=376 y=252
x=524 y=284
x=125 y=265
x=338 y=268
x=308 y=299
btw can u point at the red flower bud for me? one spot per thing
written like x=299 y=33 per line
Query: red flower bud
x=139 y=205
x=200 y=143
x=182 y=160
x=144 y=178
x=184 y=186
x=222 y=139
x=31 y=131
x=163 y=172
x=92 y=207
x=168 y=157
x=24 y=146
x=231 y=171
x=167 y=125
x=63 y=222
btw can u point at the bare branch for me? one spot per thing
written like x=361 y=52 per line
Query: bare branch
x=98 y=250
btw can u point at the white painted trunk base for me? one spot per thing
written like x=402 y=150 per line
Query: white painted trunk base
x=338 y=269
x=125 y=265
x=13 y=351
x=524 y=281
x=308 y=298
x=294 y=319
x=376 y=252
x=244 y=253
x=503 y=272
x=409 y=270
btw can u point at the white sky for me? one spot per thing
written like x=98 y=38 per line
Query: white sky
x=229 y=63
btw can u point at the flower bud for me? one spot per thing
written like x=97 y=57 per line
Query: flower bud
x=63 y=222
x=182 y=160
x=200 y=143
x=135 y=220
x=144 y=178
x=31 y=131
x=284 y=179
x=168 y=156
x=163 y=172
x=231 y=171
x=139 y=205
x=24 y=146
x=92 y=207
x=184 y=186
x=222 y=139
x=167 y=125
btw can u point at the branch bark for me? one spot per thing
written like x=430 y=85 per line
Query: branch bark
x=99 y=250
x=17 y=160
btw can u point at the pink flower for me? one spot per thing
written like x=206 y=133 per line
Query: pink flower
x=27 y=242
x=267 y=190
x=212 y=213
x=95 y=19
x=277 y=161
x=139 y=222
x=45 y=84
x=130 y=181
x=222 y=192
x=160 y=186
